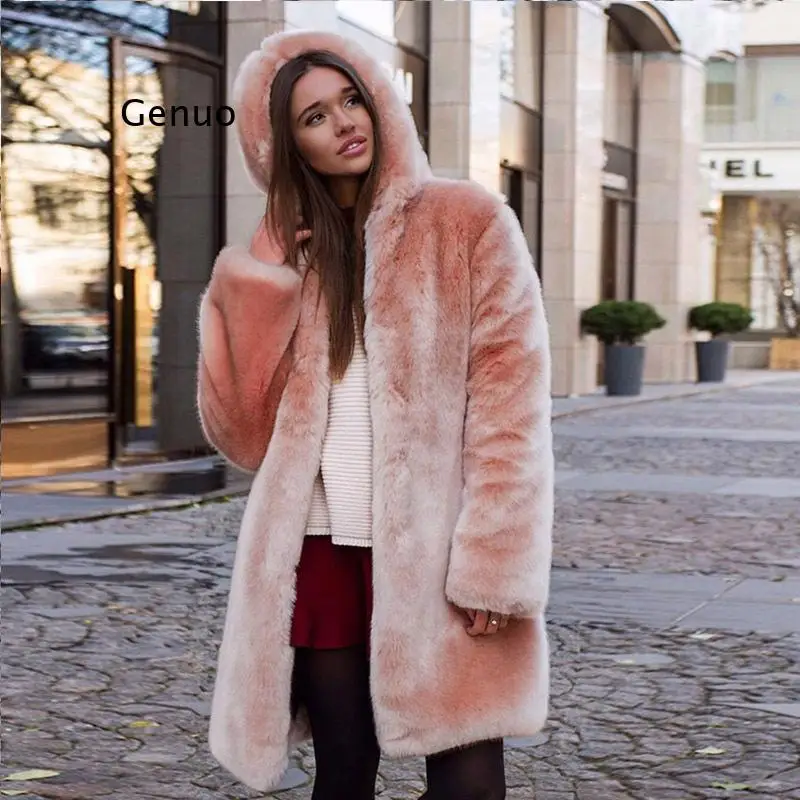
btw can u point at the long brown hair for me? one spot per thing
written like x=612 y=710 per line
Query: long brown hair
x=335 y=251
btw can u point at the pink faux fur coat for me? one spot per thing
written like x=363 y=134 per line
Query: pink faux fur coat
x=459 y=372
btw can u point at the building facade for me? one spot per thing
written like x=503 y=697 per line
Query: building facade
x=752 y=149
x=586 y=116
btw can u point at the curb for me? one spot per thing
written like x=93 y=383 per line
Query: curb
x=643 y=400
x=128 y=511
x=223 y=494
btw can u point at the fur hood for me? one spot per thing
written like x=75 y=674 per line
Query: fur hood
x=458 y=365
x=405 y=165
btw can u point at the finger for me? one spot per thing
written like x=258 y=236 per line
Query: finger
x=302 y=235
x=479 y=624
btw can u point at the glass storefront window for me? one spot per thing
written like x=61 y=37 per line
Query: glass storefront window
x=521 y=191
x=55 y=187
x=755 y=98
x=403 y=21
x=374 y=15
x=620 y=89
x=412 y=25
x=507 y=71
x=615 y=276
x=158 y=22
x=60 y=320
x=168 y=207
x=521 y=52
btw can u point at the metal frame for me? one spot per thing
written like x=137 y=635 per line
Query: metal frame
x=630 y=199
x=119 y=49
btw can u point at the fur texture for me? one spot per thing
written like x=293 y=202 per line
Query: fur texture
x=459 y=372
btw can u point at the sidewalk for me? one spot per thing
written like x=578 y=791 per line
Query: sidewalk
x=92 y=495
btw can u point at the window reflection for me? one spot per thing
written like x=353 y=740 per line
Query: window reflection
x=521 y=52
x=158 y=22
x=374 y=15
x=507 y=50
x=620 y=89
x=55 y=173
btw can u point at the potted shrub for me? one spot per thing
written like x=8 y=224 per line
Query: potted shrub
x=620 y=326
x=716 y=319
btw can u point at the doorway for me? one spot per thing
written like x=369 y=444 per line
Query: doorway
x=615 y=282
x=166 y=221
x=616 y=257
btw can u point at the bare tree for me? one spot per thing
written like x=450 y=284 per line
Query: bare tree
x=779 y=241
x=45 y=103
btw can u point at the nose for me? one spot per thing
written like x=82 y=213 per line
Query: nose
x=343 y=123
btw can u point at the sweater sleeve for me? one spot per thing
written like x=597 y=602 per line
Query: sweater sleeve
x=502 y=547
x=247 y=317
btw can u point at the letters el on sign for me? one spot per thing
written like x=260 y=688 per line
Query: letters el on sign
x=741 y=168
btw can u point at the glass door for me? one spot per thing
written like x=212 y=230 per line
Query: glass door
x=165 y=230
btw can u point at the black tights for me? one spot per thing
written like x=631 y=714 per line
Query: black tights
x=334 y=687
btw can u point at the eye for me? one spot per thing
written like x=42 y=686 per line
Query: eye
x=314 y=119
x=354 y=99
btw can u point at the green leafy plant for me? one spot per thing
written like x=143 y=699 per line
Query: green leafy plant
x=621 y=321
x=719 y=318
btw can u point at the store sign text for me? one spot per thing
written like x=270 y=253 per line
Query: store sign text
x=741 y=168
x=762 y=169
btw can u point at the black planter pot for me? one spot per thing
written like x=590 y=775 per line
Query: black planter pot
x=712 y=360
x=624 y=366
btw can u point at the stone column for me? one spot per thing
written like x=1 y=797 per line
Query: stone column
x=669 y=226
x=185 y=250
x=574 y=77
x=464 y=76
x=734 y=250
x=248 y=24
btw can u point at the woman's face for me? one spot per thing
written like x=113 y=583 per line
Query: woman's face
x=331 y=125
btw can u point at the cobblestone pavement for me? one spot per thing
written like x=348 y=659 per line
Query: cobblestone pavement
x=751 y=536
x=681 y=457
x=108 y=662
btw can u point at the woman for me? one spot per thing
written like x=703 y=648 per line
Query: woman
x=379 y=359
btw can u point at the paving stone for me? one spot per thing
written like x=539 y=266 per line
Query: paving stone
x=642 y=659
x=788 y=709
x=293 y=779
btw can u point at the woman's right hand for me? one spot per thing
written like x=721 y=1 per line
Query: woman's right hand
x=266 y=248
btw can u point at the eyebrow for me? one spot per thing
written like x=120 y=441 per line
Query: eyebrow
x=319 y=103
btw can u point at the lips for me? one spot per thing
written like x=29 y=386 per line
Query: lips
x=353 y=144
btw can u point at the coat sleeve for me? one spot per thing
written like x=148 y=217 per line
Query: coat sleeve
x=247 y=317
x=502 y=546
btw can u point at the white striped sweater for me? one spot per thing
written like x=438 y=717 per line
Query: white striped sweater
x=341 y=504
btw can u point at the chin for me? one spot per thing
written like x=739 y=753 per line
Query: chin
x=356 y=166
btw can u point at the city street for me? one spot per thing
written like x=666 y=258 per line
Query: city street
x=674 y=622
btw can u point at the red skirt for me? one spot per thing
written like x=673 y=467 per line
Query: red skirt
x=333 y=605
